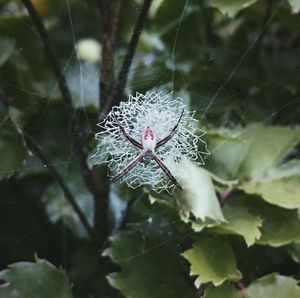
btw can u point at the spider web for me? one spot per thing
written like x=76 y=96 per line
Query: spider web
x=77 y=70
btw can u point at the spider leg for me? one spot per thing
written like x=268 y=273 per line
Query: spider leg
x=171 y=134
x=127 y=136
x=129 y=167
x=166 y=170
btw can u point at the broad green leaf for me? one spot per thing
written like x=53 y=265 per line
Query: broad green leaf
x=149 y=267
x=295 y=5
x=280 y=226
x=12 y=149
x=208 y=262
x=240 y=221
x=269 y=286
x=268 y=145
x=226 y=290
x=199 y=196
x=40 y=279
x=280 y=187
x=249 y=153
x=274 y=286
x=228 y=150
x=7 y=47
x=231 y=7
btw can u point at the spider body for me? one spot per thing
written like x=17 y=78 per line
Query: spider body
x=148 y=145
x=148 y=139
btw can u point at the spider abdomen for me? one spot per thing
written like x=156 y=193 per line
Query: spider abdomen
x=148 y=139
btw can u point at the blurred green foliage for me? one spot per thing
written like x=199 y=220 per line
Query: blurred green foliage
x=236 y=63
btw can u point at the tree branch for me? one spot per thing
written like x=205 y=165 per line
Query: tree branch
x=224 y=197
x=36 y=149
x=265 y=21
x=69 y=196
x=210 y=36
x=110 y=22
x=116 y=92
x=78 y=143
x=110 y=16
x=7 y=101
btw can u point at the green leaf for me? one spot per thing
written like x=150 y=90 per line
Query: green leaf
x=226 y=290
x=7 y=47
x=208 y=261
x=199 y=196
x=148 y=266
x=40 y=279
x=280 y=187
x=231 y=7
x=270 y=286
x=148 y=253
x=251 y=152
x=240 y=221
x=12 y=149
x=274 y=286
x=280 y=226
x=295 y=5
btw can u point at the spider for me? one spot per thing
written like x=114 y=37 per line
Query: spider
x=148 y=145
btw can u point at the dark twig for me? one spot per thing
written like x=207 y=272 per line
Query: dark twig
x=110 y=15
x=224 y=197
x=126 y=212
x=69 y=196
x=78 y=143
x=240 y=285
x=202 y=289
x=6 y=100
x=38 y=152
x=123 y=221
x=110 y=21
x=116 y=93
x=265 y=21
x=209 y=34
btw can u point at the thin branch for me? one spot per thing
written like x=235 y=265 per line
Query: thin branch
x=123 y=221
x=202 y=288
x=6 y=100
x=210 y=37
x=118 y=90
x=68 y=194
x=110 y=15
x=110 y=23
x=38 y=152
x=78 y=143
x=265 y=21
x=224 y=197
